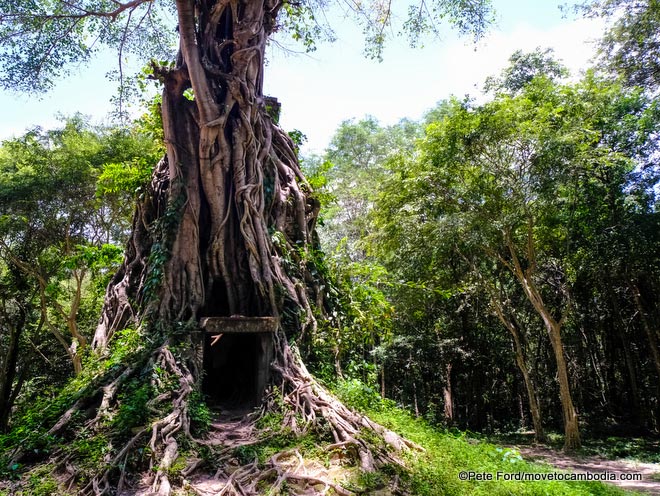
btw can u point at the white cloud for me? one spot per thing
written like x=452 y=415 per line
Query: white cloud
x=338 y=83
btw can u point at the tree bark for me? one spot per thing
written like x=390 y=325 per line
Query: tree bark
x=637 y=413
x=225 y=229
x=553 y=327
x=651 y=335
x=519 y=345
x=230 y=179
x=571 y=429
x=447 y=395
x=521 y=361
x=15 y=325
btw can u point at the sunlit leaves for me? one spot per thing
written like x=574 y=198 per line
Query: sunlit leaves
x=631 y=44
x=299 y=19
x=379 y=20
x=354 y=166
x=524 y=67
x=43 y=40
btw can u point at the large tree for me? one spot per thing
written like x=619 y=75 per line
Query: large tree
x=501 y=186
x=226 y=225
x=630 y=45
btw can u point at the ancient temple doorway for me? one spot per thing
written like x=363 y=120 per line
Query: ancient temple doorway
x=237 y=356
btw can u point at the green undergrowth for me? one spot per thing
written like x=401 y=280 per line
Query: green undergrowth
x=275 y=440
x=37 y=414
x=307 y=445
x=436 y=471
x=637 y=449
x=88 y=447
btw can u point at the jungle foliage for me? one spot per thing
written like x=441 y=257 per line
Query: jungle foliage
x=510 y=236
x=494 y=267
x=65 y=197
x=225 y=228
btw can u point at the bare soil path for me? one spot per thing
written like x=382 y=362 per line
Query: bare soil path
x=233 y=429
x=650 y=483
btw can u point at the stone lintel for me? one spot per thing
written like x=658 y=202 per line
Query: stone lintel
x=239 y=325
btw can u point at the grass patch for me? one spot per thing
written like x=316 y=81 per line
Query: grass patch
x=645 y=450
x=437 y=471
x=638 y=449
x=41 y=482
x=276 y=443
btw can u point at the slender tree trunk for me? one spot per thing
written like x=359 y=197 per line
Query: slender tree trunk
x=8 y=369
x=553 y=327
x=447 y=396
x=414 y=384
x=521 y=411
x=571 y=429
x=512 y=326
x=532 y=400
x=596 y=364
x=521 y=361
x=336 y=351
x=637 y=413
x=651 y=335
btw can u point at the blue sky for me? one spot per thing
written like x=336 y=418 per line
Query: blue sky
x=319 y=90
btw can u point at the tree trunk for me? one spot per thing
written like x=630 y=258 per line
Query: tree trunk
x=225 y=229
x=532 y=400
x=571 y=429
x=651 y=335
x=230 y=182
x=8 y=367
x=521 y=361
x=553 y=327
x=521 y=411
x=447 y=396
x=591 y=348
x=519 y=344
x=637 y=414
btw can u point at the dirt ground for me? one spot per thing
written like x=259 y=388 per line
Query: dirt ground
x=650 y=483
x=234 y=429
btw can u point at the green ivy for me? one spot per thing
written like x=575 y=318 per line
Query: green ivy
x=200 y=414
x=162 y=231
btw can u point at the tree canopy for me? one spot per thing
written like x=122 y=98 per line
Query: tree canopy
x=494 y=264
x=43 y=40
x=629 y=47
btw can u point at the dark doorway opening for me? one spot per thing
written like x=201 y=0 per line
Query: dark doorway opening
x=237 y=357
x=231 y=367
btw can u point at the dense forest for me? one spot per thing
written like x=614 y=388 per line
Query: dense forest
x=189 y=305
x=501 y=249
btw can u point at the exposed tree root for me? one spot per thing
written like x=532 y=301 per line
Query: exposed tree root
x=311 y=402
x=307 y=407
x=304 y=405
x=285 y=474
x=277 y=472
x=226 y=227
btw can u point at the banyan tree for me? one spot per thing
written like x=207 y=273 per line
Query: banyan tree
x=218 y=274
